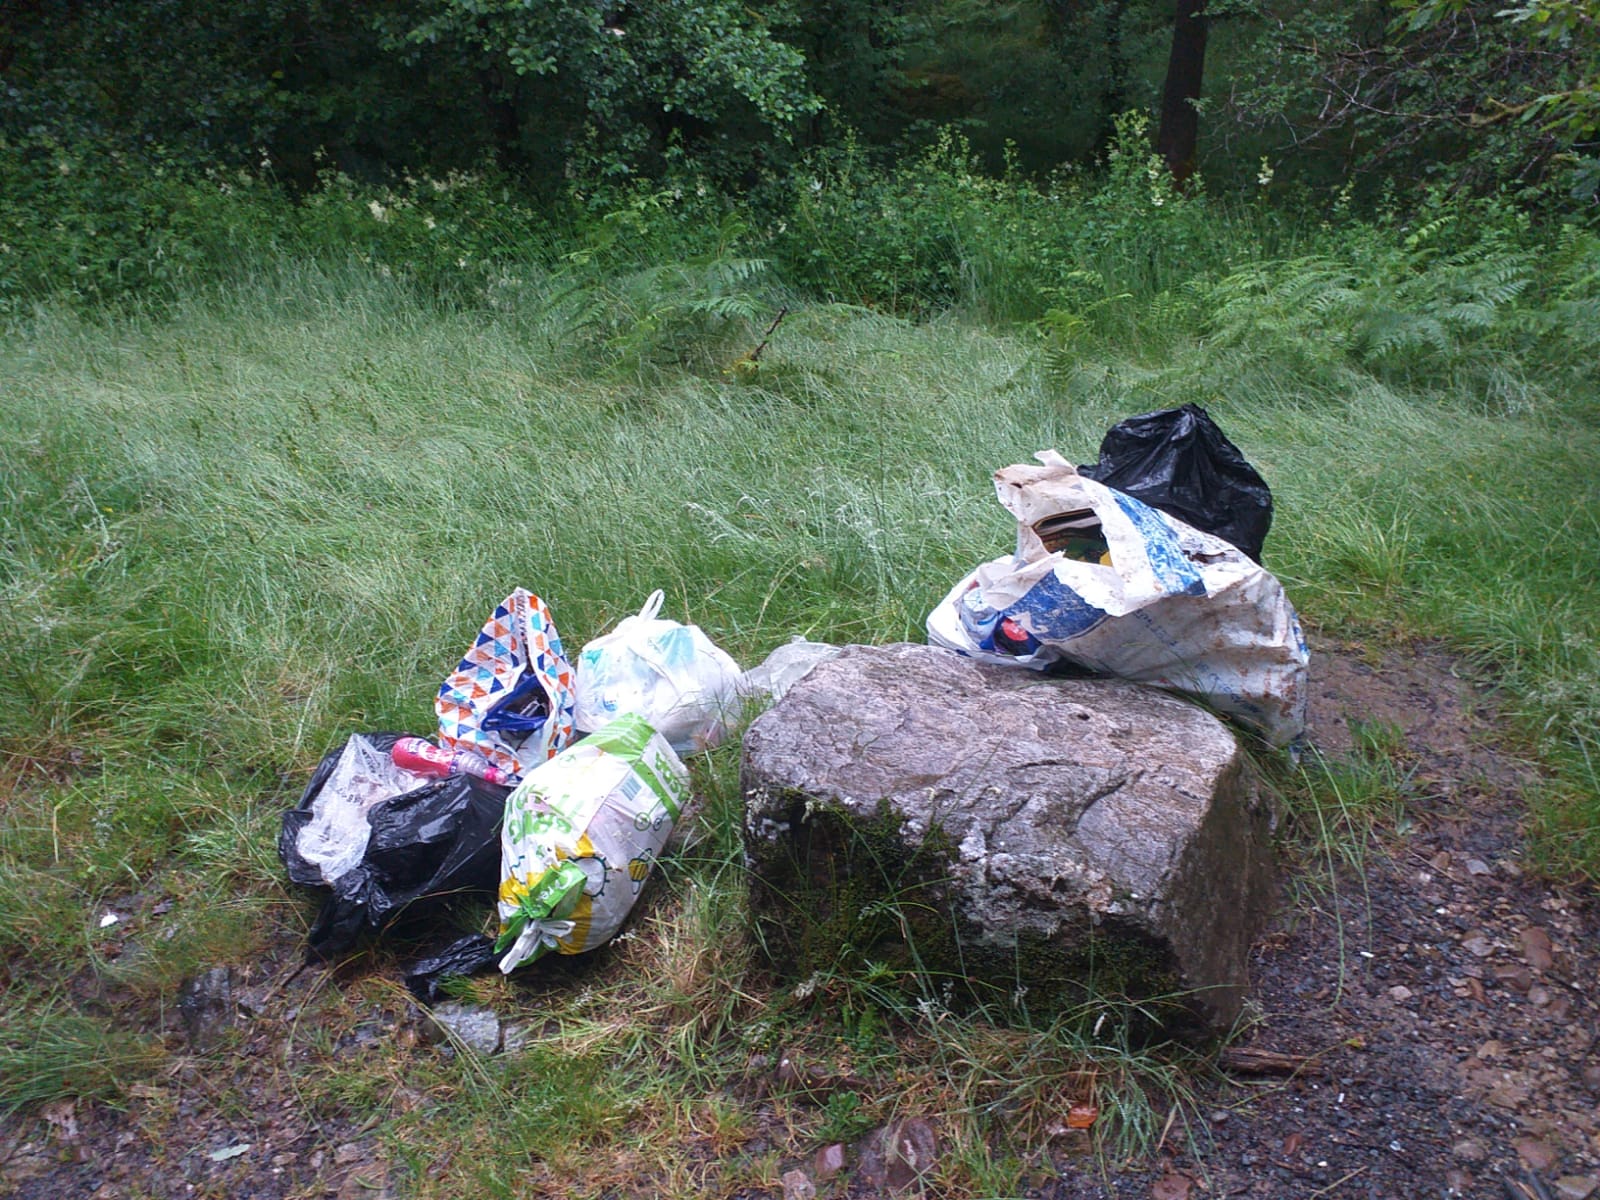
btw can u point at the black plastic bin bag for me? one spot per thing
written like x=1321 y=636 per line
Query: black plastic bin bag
x=433 y=841
x=1179 y=461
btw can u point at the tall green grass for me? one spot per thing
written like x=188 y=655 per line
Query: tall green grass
x=275 y=508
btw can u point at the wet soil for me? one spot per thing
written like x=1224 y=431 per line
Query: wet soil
x=1423 y=1023
x=1442 y=1003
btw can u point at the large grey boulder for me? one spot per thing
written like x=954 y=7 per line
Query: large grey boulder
x=911 y=809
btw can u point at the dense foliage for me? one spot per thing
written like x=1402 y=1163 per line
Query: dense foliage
x=574 y=93
x=1466 y=94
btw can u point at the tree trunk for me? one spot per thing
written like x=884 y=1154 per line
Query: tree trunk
x=1114 y=95
x=504 y=121
x=1180 y=119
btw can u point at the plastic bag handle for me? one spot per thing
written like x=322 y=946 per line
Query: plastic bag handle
x=652 y=605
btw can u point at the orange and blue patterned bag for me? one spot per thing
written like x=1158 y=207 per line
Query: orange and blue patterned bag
x=511 y=699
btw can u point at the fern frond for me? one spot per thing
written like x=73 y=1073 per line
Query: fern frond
x=726 y=307
x=1391 y=334
x=737 y=270
x=1469 y=314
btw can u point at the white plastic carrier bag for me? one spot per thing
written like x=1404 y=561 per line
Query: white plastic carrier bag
x=335 y=839
x=771 y=679
x=581 y=835
x=1106 y=582
x=672 y=675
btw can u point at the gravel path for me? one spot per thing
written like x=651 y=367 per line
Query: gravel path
x=1445 y=1005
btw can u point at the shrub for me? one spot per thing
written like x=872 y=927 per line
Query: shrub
x=936 y=231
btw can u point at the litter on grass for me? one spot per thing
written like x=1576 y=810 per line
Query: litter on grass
x=1179 y=461
x=386 y=849
x=582 y=834
x=1101 y=581
x=392 y=825
x=555 y=789
x=672 y=675
x=511 y=698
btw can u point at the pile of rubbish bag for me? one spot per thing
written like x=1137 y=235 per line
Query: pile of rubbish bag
x=555 y=788
x=1139 y=579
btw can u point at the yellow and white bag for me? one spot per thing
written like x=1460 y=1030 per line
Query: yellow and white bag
x=581 y=834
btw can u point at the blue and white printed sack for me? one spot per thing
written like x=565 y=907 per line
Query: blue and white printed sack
x=1106 y=582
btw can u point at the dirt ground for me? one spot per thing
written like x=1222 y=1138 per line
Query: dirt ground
x=1439 y=1015
x=1446 y=1007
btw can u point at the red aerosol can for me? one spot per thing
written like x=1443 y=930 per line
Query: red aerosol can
x=422 y=757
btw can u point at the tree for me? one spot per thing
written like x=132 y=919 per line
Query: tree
x=1178 y=136
x=1090 y=38
x=853 y=51
x=555 y=86
x=1465 y=93
x=202 y=82
x=612 y=87
x=1566 y=109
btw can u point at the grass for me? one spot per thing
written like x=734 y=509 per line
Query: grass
x=47 y=1053
x=276 y=512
